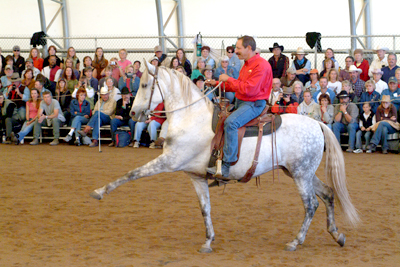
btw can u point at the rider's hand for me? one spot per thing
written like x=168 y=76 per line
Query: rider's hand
x=223 y=78
x=211 y=82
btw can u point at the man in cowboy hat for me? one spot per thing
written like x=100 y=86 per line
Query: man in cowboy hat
x=379 y=84
x=278 y=61
x=122 y=117
x=289 y=78
x=346 y=119
x=8 y=116
x=357 y=84
x=106 y=106
x=379 y=62
x=344 y=73
x=19 y=94
x=302 y=65
x=252 y=89
x=390 y=69
x=163 y=60
x=393 y=91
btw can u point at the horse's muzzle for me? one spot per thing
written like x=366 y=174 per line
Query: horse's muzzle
x=143 y=116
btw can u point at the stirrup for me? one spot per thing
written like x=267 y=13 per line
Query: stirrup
x=218 y=164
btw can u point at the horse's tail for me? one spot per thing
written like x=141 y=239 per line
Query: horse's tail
x=336 y=175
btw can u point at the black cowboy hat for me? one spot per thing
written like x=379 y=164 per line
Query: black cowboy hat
x=200 y=78
x=276 y=45
x=125 y=91
x=343 y=94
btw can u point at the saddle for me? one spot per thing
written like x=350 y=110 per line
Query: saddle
x=264 y=124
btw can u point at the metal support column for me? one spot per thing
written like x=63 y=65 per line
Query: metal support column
x=367 y=24
x=180 y=23
x=42 y=24
x=65 y=23
x=160 y=25
x=353 y=30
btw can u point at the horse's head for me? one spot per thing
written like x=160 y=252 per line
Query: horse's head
x=149 y=94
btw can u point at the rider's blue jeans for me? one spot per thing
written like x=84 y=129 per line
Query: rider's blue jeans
x=245 y=112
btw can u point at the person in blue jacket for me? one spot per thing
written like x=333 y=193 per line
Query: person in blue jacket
x=130 y=80
x=80 y=113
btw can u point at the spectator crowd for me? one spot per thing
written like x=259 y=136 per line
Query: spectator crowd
x=361 y=98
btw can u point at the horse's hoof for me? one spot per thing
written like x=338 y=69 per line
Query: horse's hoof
x=290 y=247
x=205 y=250
x=341 y=240
x=96 y=195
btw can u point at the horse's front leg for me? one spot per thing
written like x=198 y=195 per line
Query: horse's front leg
x=158 y=165
x=201 y=186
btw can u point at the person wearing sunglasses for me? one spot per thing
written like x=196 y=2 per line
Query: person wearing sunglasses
x=19 y=61
x=234 y=61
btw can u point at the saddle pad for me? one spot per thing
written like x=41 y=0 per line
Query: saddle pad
x=253 y=130
x=250 y=131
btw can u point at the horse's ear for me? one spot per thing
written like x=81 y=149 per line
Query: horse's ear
x=149 y=66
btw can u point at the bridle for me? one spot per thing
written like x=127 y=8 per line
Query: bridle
x=147 y=111
x=155 y=82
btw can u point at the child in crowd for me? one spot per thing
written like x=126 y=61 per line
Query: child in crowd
x=367 y=120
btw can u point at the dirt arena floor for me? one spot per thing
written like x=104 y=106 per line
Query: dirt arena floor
x=48 y=219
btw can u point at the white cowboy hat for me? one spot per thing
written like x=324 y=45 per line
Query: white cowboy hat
x=381 y=48
x=354 y=68
x=291 y=70
x=104 y=91
x=299 y=51
x=377 y=71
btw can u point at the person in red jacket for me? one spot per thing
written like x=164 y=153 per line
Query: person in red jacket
x=362 y=64
x=153 y=124
x=34 y=54
x=252 y=89
x=285 y=104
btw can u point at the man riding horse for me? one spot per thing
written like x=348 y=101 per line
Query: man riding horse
x=252 y=89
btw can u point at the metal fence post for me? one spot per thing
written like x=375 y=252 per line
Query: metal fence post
x=394 y=44
x=315 y=56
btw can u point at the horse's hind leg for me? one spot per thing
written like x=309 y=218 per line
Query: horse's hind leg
x=310 y=202
x=325 y=193
x=201 y=187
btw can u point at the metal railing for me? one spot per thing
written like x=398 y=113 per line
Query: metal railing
x=140 y=47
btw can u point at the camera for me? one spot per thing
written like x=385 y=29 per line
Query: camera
x=14 y=87
x=129 y=75
x=112 y=63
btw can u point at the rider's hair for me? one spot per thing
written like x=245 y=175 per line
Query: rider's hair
x=248 y=41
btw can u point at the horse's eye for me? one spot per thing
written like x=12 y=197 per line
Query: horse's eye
x=144 y=85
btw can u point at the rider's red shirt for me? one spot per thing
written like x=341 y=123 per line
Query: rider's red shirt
x=254 y=82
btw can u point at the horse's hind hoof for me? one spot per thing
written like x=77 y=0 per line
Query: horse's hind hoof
x=96 y=195
x=341 y=240
x=290 y=247
x=205 y=250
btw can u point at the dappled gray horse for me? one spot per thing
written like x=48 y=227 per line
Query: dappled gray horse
x=299 y=140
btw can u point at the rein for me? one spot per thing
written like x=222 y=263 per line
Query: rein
x=155 y=81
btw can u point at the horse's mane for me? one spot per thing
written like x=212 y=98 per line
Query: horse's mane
x=185 y=84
